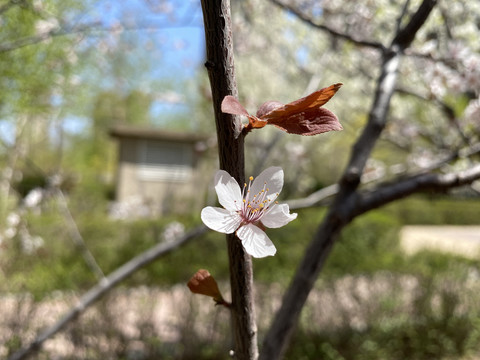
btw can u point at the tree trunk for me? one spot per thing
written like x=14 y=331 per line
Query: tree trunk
x=220 y=66
x=346 y=204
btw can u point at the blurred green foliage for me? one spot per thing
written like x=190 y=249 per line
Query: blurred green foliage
x=436 y=210
x=367 y=246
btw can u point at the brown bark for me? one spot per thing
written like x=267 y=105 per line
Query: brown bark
x=220 y=66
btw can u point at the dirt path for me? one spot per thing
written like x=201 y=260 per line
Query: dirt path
x=459 y=240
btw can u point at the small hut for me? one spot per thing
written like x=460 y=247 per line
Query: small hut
x=161 y=169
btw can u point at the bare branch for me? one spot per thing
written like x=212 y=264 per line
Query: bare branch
x=328 y=30
x=386 y=85
x=465 y=153
x=446 y=109
x=402 y=15
x=104 y=286
x=77 y=237
x=400 y=189
x=376 y=122
x=317 y=197
x=93 y=29
x=314 y=198
x=36 y=39
x=406 y=35
x=5 y=7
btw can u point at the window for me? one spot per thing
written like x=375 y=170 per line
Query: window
x=165 y=161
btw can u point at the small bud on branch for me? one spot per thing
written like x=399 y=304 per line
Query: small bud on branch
x=204 y=284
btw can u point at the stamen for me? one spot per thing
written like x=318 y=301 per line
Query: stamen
x=255 y=207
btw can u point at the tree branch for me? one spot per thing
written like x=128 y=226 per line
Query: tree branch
x=387 y=193
x=314 y=198
x=342 y=211
x=32 y=40
x=103 y=287
x=406 y=35
x=386 y=85
x=402 y=15
x=220 y=66
x=92 y=29
x=328 y=30
x=446 y=109
x=317 y=197
x=5 y=7
x=76 y=236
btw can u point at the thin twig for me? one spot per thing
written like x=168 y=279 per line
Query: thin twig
x=5 y=7
x=387 y=193
x=446 y=109
x=77 y=237
x=91 y=30
x=317 y=198
x=306 y=19
x=402 y=15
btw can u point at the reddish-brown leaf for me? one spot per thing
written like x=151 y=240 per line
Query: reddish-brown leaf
x=268 y=107
x=308 y=122
x=312 y=101
x=230 y=105
x=303 y=116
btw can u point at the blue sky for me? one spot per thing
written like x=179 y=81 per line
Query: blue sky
x=177 y=34
x=176 y=53
x=170 y=40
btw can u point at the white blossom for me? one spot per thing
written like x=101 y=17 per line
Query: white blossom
x=33 y=198
x=173 y=231
x=244 y=210
x=46 y=26
x=13 y=219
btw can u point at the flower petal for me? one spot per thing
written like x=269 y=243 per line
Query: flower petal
x=255 y=241
x=273 y=177
x=278 y=216
x=228 y=191
x=220 y=220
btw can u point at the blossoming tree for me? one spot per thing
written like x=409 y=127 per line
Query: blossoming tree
x=350 y=200
x=249 y=206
